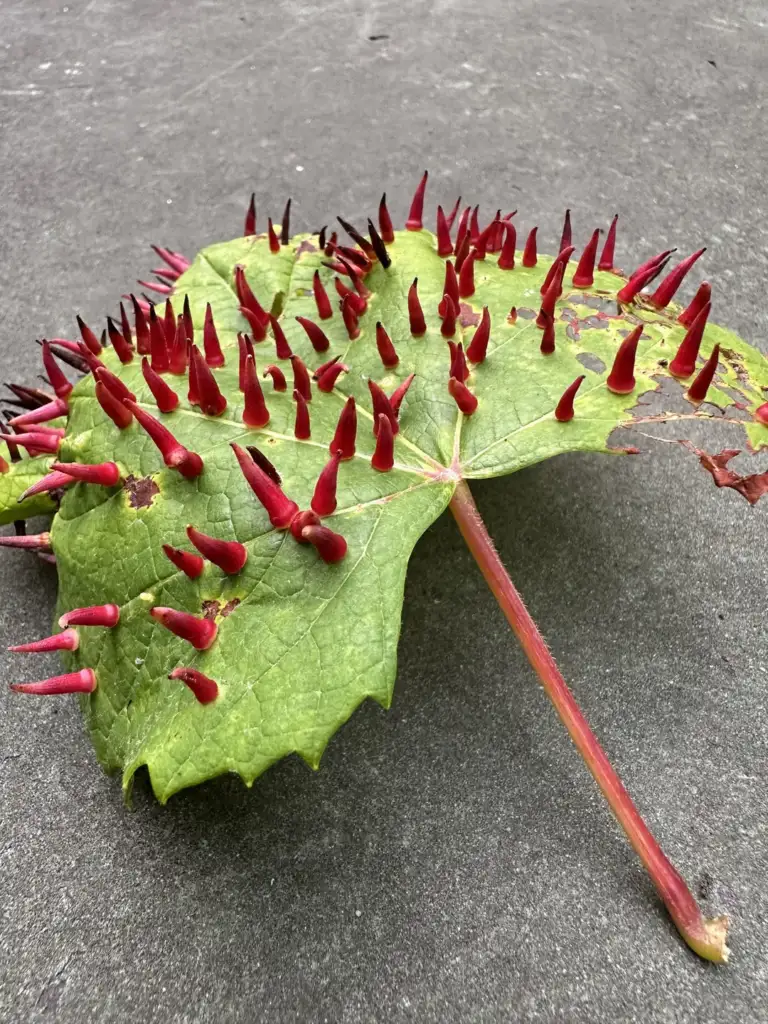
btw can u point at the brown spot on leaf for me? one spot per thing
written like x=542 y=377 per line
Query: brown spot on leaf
x=141 y=490
x=733 y=359
x=213 y=608
x=229 y=607
x=306 y=246
x=467 y=316
x=752 y=487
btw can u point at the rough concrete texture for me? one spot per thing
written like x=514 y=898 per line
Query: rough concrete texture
x=452 y=860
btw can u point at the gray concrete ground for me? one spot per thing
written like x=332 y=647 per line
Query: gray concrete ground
x=452 y=860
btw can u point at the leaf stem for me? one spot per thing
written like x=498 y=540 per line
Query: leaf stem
x=706 y=936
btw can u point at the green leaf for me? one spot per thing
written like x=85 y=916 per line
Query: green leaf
x=18 y=477
x=302 y=643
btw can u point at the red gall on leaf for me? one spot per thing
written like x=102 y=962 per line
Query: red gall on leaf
x=282 y=348
x=316 y=335
x=382 y=405
x=621 y=379
x=255 y=412
x=467 y=277
x=107 y=615
x=301 y=380
x=211 y=346
x=302 y=429
x=564 y=408
x=249 y=302
x=444 y=243
x=397 y=396
x=385 y=222
x=547 y=346
x=113 y=407
x=157 y=343
x=141 y=327
x=329 y=545
x=229 y=555
x=557 y=270
x=327 y=380
x=55 y=374
x=324 y=308
x=278 y=377
x=107 y=474
x=452 y=215
x=174 y=454
x=178 y=353
x=191 y=565
x=458 y=367
x=43 y=414
x=507 y=256
x=684 y=363
x=114 y=383
x=278 y=506
x=416 y=213
x=211 y=399
x=530 y=257
x=68 y=640
x=36 y=442
x=607 y=256
x=166 y=398
x=385 y=348
x=449 y=317
x=249 y=228
x=416 y=319
x=584 y=275
x=697 y=303
x=203 y=687
x=89 y=338
x=350 y=317
x=201 y=633
x=274 y=241
x=666 y=290
x=346 y=431
x=324 y=496
x=383 y=458
x=761 y=414
x=697 y=392
x=478 y=347
x=123 y=349
x=462 y=396
x=83 y=681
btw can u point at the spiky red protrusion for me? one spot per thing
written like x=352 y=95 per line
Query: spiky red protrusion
x=191 y=565
x=416 y=319
x=125 y=326
x=107 y=615
x=383 y=458
x=512 y=316
x=416 y=214
x=643 y=276
x=452 y=215
x=169 y=324
x=684 y=362
x=301 y=380
x=458 y=367
x=83 y=681
x=141 y=326
x=462 y=231
x=584 y=274
x=305 y=518
x=385 y=222
x=316 y=335
x=209 y=395
x=43 y=414
x=250 y=306
x=478 y=347
x=211 y=346
x=697 y=392
x=565 y=238
x=192 y=395
x=621 y=379
x=552 y=294
x=382 y=405
x=302 y=427
x=350 y=317
x=153 y=286
x=324 y=496
x=255 y=412
x=278 y=377
x=547 y=346
x=607 y=256
x=30 y=398
x=444 y=243
x=50 y=482
x=326 y=381
x=324 y=308
x=249 y=227
x=166 y=399
x=114 y=383
x=467 y=276
x=530 y=257
x=55 y=374
x=329 y=545
x=89 y=338
x=274 y=241
x=36 y=442
x=106 y=474
x=173 y=453
x=761 y=414
x=279 y=507
x=462 y=251
x=29 y=542
x=229 y=555
x=199 y=632
x=451 y=283
x=450 y=314
x=564 y=408
x=666 y=290
x=397 y=396
x=123 y=349
x=203 y=687
x=379 y=249
x=474 y=225
x=462 y=396
x=186 y=317
x=157 y=343
x=178 y=352
x=558 y=268
x=282 y=348
x=245 y=349
x=507 y=256
x=346 y=431
x=361 y=240
x=68 y=640
x=386 y=349
x=113 y=407
x=697 y=303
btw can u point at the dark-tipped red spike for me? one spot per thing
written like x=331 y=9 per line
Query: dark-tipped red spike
x=697 y=392
x=474 y=225
x=478 y=347
x=462 y=396
x=85 y=354
x=244 y=350
x=452 y=215
x=458 y=368
x=331 y=243
x=107 y=615
x=565 y=238
x=444 y=243
x=191 y=565
x=549 y=301
x=386 y=349
x=50 y=482
x=255 y=412
x=397 y=396
x=416 y=214
x=356 y=236
x=256 y=324
x=463 y=229
x=229 y=555
x=385 y=221
x=250 y=217
x=107 y=474
x=31 y=541
x=450 y=315
x=530 y=257
x=324 y=496
x=350 y=317
x=210 y=397
x=301 y=381
x=326 y=381
x=377 y=243
x=621 y=379
x=316 y=335
x=607 y=256
x=157 y=343
x=114 y=383
x=564 y=408
x=166 y=398
x=169 y=324
x=467 y=276
x=318 y=373
x=204 y=689
x=278 y=506
x=186 y=317
x=43 y=414
x=697 y=303
x=684 y=362
x=211 y=346
x=30 y=398
x=141 y=327
x=557 y=269
x=125 y=326
x=154 y=286
x=199 y=632
x=451 y=283
x=83 y=681
x=302 y=428
x=123 y=349
x=547 y=346
x=584 y=274
x=285 y=227
x=69 y=640
x=274 y=241
x=324 y=308
x=507 y=255
x=643 y=276
x=69 y=352
x=173 y=453
x=36 y=442
x=381 y=406
x=321 y=236
x=666 y=290
x=415 y=315
x=383 y=458
x=89 y=338
x=178 y=353
x=462 y=251
x=329 y=545
x=278 y=377
x=282 y=348
x=263 y=462
x=250 y=306
x=55 y=374
x=192 y=394
x=113 y=407
x=346 y=431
